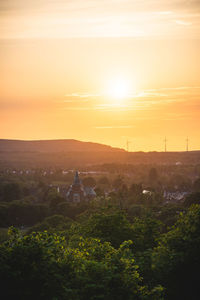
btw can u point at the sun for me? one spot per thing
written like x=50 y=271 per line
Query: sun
x=118 y=91
x=119 y=88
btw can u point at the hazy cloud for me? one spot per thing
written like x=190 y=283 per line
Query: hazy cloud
x=184 y=23
x=147 y=99
x=98 y=18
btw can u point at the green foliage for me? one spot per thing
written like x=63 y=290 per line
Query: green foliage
x=176 y=259
x=110 y=227
x=193 y=198
x=11 y=191
x=145 y=232
x=3 y=234
x=42 y=266
x=109 y=248
x=20 y=213
x=99 y=191
x=168 y=214
x=55 y=199
x=113 y=226
x=30 y=267
x=71 y=210
x=136 y=210
x=52 y=224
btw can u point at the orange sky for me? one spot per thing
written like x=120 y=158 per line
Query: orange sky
x=63 y=62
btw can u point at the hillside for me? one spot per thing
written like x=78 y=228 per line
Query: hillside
x=67 y=145
x=77 y=154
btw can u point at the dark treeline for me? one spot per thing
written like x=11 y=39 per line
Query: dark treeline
x=77 y=159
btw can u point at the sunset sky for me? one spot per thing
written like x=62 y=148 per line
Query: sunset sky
x=102 y=71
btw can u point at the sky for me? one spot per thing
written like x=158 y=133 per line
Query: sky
x=105 y=71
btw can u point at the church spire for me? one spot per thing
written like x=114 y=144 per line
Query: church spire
x=77 y=179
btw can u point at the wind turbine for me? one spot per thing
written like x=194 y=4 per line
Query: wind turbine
x=127 y=145
x=165 y=141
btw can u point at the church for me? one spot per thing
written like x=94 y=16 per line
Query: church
x=78 y=192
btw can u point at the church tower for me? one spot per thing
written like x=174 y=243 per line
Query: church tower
x=76 y=192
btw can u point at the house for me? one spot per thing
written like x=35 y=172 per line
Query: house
x=174 y=196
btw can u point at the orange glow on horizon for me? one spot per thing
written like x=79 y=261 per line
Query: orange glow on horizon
x=107 y=72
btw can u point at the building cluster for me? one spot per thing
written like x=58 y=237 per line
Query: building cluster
x=77 y=192
x=176 y=196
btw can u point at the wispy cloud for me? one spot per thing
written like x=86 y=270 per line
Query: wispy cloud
x=175 y=88
x=83 y=95
x=147 y=99
x=183 y=23
x=95 y=18
x=78 y=108
x=114 y=127
x=150 y=94
x=75 y=100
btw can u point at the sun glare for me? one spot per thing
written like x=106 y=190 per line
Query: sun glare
x=118 y=90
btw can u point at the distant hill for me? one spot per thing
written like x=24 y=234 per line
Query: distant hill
x=67 y=145
x=75 y=154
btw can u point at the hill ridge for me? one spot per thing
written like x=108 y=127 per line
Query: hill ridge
x=55 y=145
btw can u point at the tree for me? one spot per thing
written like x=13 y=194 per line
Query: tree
x=104 y=180
x=135 y=189
x=55 y=200
x=153 y=176
x=118 y=182
x=193 y=198
x=176 y=259
x=11 y=191
x=42 y=266
x=89 y=181
x=196 y=185
x=168 y=214
x=99 y=191
x=112 y=227
x=52 y=224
